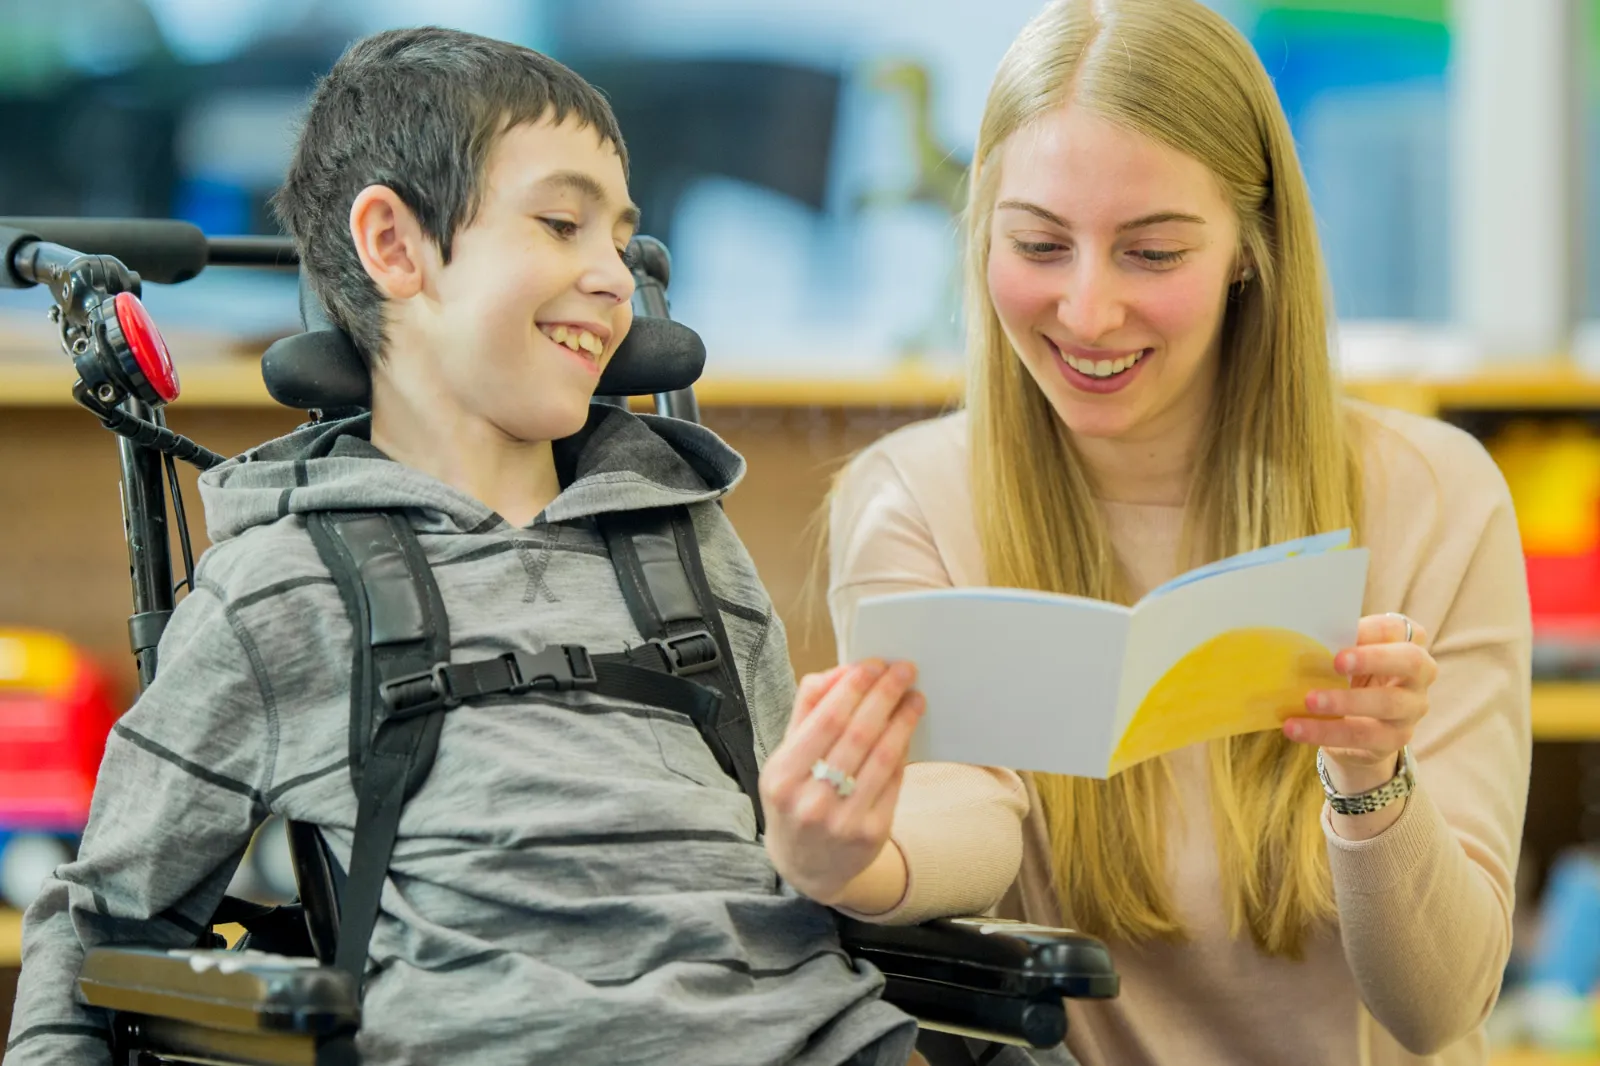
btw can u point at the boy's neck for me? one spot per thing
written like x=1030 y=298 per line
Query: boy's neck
x=514 y=478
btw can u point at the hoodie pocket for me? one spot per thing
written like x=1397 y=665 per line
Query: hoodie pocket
x=685 y=752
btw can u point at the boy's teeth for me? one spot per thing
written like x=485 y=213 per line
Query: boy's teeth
x=579 y=340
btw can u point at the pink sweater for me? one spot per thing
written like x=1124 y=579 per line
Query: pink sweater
x=1413 y=964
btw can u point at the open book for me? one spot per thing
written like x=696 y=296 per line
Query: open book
x=1069 y=685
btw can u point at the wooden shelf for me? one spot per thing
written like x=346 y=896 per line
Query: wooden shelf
x=1531 y=1057
x=236 y=382
x=221 y=370
x=211 y=384
x=1566 y=710
x=226 y=373
x=10 y=937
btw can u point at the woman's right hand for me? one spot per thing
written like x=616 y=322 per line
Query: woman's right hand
x=858 y=720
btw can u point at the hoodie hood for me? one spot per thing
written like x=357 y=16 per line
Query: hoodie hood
x=618 y=462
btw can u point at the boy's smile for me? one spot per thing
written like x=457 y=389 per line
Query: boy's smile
x=586 y=340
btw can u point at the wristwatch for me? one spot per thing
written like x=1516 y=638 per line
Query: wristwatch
x=1401 y=785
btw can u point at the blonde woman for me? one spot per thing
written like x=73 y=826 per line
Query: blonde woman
x=1151 y=389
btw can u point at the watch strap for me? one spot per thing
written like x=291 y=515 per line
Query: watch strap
x=1401 y=785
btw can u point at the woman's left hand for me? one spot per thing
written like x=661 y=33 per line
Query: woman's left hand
x=1362 y=729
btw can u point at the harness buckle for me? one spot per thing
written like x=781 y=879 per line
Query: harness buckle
x=684 y=657
x=404 y=697
x=560 y=668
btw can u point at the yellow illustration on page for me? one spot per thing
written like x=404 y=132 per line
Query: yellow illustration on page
x=1243 y=681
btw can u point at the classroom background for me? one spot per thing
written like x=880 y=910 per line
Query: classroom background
x=802 y=160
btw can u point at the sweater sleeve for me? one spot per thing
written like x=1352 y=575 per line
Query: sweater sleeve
x=959 y=827
x=179 y=793
x=1425 y=907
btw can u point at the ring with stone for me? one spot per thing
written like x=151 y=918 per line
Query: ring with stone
x=842 y=782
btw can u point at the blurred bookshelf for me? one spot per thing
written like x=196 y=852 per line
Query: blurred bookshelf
x=228 y=374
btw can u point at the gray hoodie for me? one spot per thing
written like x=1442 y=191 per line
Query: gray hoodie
x=577 y=881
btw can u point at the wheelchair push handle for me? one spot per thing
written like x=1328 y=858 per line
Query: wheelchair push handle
x=125 y=372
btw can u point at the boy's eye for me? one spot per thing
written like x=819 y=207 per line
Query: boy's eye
x=629 y=259
x=561 y=227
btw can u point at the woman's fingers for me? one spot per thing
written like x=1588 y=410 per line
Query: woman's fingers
x=866 y=726
x=810 y=692
x=1388 y=703
x=821 y=728
x=1389 y=629
x=1408 y=664
x=880 y=769
x=1356 y=734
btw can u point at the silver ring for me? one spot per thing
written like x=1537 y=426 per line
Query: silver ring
x=842 y=782
x=1407 y=621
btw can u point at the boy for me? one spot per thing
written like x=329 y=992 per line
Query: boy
x=578 y=880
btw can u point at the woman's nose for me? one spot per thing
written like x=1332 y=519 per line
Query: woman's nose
x=1092 y=306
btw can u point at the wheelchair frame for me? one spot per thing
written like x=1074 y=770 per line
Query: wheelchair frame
x=982 y=978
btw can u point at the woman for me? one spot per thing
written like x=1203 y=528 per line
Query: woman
x=1150 y=390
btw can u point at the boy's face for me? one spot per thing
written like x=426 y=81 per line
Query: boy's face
x=536 y=297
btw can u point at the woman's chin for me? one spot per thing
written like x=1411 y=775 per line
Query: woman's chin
x=1097 y=425
x=1100 y=417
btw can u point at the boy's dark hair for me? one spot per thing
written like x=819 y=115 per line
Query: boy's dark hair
x=417 y=110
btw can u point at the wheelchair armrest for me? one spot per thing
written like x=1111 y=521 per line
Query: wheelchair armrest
x=226 y=1006
x=991 y=978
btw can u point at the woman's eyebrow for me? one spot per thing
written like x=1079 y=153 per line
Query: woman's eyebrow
x=1033 y=209
x=1159 y=217
x=1137 y=223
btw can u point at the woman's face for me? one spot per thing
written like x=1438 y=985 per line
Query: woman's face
x=1110 y=257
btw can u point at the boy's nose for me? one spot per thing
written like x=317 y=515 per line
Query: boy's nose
x=610 y=277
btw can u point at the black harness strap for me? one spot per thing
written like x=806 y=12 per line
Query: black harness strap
x=403 y=682
x=400 y=631
x=656 y=555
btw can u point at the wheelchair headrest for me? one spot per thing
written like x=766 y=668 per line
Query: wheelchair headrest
x=320 y=369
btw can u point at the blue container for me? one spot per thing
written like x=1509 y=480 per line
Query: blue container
x=1568 y=953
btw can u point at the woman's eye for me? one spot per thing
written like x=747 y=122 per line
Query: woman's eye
x=561 y=227
x=1155 y=257
x=1036 y=249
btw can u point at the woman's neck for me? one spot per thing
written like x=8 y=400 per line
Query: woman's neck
x=1153 y=466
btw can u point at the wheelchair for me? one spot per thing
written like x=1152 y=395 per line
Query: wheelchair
x=275 y=999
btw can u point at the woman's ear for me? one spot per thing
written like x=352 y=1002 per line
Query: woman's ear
x=389 y=241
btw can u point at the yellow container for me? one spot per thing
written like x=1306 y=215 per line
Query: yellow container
x=1553 y=472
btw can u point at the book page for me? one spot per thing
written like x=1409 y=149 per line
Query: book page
x=1025 y=680
x=1312 y=545
x=1237 y=652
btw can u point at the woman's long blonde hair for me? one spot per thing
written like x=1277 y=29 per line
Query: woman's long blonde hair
x=1277 y=461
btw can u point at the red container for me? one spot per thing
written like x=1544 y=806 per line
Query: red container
x=52 y=737
x=1564 y=588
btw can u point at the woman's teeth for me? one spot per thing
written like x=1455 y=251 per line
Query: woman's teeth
x=579 y=340
x=1102 y=368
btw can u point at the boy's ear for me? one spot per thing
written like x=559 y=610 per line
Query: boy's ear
x=389 y=241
